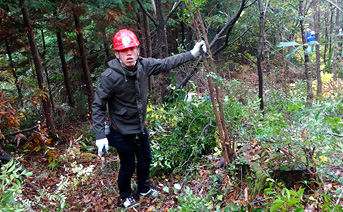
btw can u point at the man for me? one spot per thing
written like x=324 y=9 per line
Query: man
x=308 y=33
x=123 y=87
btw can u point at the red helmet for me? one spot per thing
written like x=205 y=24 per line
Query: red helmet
x=124 y=39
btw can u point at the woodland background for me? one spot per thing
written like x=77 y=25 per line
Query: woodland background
x=267 y=138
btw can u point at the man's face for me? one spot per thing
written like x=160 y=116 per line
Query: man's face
x=128 y=57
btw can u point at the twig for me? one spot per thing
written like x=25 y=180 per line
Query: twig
x=334 y=134
x=22 y=131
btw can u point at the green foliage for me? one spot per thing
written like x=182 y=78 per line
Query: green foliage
x=285 y=200
x=11 y=186
x=179 y=132
x=190 y=202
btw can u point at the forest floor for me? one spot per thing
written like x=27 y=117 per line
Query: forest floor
x=98 y=191
x=78 y=180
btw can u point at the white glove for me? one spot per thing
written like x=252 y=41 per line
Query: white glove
x=101 y=143
x=196 y=49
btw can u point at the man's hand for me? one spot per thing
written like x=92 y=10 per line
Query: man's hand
x=196 y=49
x=101 y=143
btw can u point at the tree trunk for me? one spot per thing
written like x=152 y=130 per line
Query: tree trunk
x=64 y=67
x=162 y=37
x=148 y=48
x=309 y=98
x=83 y=57
x=20 y=94
x=147 y=43
x=330 y=48
x=316 y=11
x=106 y=46
x=163 y=46
x=39 y=69
x=326 y=36
x=47 y=73
x=335 y=44
x=260 y=54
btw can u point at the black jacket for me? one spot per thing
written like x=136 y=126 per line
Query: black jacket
x=126 y=91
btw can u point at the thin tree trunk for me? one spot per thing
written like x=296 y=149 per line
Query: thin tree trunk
x=260 y=53
x=309 y=98
x=148 y=48
x=64 y=67
x=39 y=69
x=147 y=35
x=316 y=11
x=335 y=45
x=106 y=46
x=83 y=57
x=47 y=74
x=332 y=10
x=20 y=94
x=326 y=36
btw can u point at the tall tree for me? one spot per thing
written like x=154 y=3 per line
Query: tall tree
x=38 y=67
x=260 y=50
x=335 y=43
x=47 y=73
x=67 y=83
x=83 y=56
x=309 y=97
x=160 y=23
x=316 y=11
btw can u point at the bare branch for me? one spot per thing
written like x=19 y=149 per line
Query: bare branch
x=250 y=4
x=228 y=26
x=335 y=5
x=229 y=44
x=147 y=13
x=175 y=6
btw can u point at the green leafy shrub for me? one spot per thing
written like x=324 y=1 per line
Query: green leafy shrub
x=180 y=131
x=11 y=186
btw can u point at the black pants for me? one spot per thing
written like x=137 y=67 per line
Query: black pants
x=130 y=148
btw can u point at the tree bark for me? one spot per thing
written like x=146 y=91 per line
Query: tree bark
x=215 y=97
x=39 y=69
x=335 y=45
x=316 y=11
x=147 y=43
x=309 y=97
x=163 y=46
x=83 y=57
x=67 y=83
x=260 y=52
x=332 y=10
x=326 y=35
